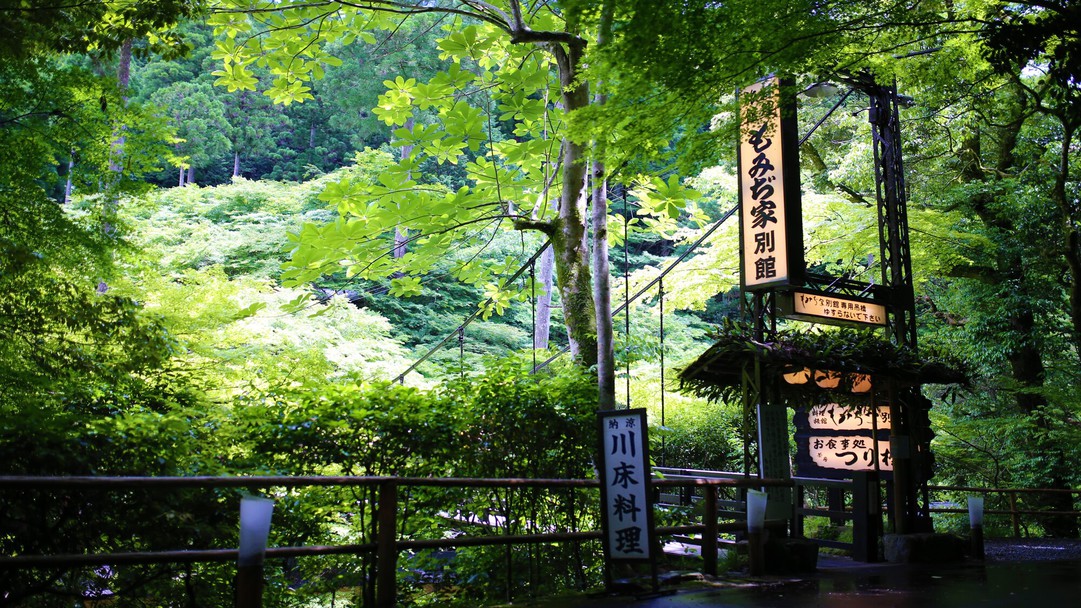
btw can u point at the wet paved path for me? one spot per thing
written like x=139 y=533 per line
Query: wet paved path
x=843 y=584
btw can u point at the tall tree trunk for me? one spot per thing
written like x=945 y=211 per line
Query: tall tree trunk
x=602 y=291
x=191 y=174
x=123 y=78
x=236 y=163
x=180 y=182
x=569 y=235
x=116 y=154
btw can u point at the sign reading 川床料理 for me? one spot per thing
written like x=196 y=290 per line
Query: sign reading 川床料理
x=770 y=219
x=627 y=507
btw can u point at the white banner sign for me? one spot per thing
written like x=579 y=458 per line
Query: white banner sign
x=849 y=453
x=835 y=417
x=625 y=481
x=838 y=309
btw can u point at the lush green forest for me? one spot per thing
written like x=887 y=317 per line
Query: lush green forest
x=230 y=228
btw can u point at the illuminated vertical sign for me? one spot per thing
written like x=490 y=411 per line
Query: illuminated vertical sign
x=771 y=232
x=626 y=497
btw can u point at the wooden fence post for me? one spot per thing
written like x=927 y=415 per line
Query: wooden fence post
x=797 y=508
x=709 y=536
x=386 y=557
x=249 y=587
x=866 y=518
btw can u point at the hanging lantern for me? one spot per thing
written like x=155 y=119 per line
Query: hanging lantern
x=861 y=383
x=827 y=379
x=797 y=376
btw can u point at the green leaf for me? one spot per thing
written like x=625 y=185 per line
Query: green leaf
x=404 y=287
x=249 y=311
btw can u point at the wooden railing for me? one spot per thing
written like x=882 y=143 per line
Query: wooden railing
x=387 y=545
x=1010 y=498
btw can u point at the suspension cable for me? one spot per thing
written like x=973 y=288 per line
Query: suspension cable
x=660 y=299
x=401 y=377
x=533 y=308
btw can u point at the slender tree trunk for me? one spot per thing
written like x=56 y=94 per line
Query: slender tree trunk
x=67 y=184
x=544 y=300
x=116 y=154
x=191 y=174
x=401 y=233
x=123 y=77
x=602 y=293
x=183 y=173
x=236 y=163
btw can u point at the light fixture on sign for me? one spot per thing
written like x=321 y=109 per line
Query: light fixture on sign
x=861 y=383
x=797 y=376
x=827 y=379
x=821 y=89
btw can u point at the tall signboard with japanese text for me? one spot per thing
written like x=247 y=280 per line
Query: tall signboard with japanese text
x=771 y=230
x=626 y=494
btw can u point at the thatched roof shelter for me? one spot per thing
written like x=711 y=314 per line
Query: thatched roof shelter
x=847 y=353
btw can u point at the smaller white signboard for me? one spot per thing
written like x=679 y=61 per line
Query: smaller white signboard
x=848 y=453
x=838 y=309
x=625 y=485
x=836 y=417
